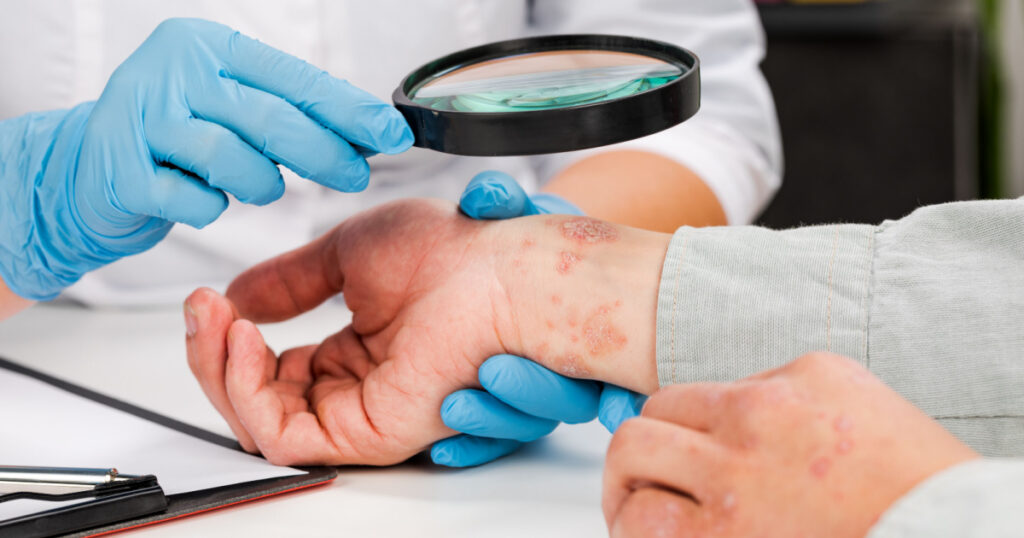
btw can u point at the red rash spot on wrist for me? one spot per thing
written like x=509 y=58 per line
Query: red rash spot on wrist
x=842 y=424
x=556 y=300
x=819 y=467
x=566 y=261
x=844 y=446
x=585 y=230
x=572 y=366
x=600 y=335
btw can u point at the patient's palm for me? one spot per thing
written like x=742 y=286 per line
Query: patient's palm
x=420 y=281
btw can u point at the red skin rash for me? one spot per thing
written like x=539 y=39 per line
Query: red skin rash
x=566 y=261
x=572 y=366
x=585 y=230
x=556 y=300
x=842 y=424
x=819 y=467
x=600 y=336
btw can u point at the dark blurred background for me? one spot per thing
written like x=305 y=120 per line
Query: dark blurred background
x=891 y=104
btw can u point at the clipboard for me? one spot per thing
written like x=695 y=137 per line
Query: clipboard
x=144 y=509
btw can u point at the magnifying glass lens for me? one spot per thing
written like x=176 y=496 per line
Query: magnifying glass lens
x=543 y=81
x=547 y=94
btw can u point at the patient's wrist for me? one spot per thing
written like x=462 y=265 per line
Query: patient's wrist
x=582 y=297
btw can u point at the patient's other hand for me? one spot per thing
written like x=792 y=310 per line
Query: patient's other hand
x=818 y=447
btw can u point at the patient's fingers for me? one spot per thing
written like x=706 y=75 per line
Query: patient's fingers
x=206 y=344
x=286 y=435
x=288 y=285
x=649 y=451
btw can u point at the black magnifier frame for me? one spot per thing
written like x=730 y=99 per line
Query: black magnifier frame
x=553 y=130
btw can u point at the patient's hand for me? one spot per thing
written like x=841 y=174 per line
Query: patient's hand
x=433 y=294
x=818 y=447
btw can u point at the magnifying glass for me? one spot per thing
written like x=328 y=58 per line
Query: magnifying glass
x=549 y=94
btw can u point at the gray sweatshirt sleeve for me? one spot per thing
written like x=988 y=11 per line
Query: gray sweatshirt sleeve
x=977 y=498
x=933 y=304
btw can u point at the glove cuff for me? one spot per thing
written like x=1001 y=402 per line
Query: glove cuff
x=45 y=243
x=553 y=204
x=26 y=145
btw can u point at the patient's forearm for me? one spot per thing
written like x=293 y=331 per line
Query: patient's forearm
x=583 y=297
x=10 y=303
x=640 y=189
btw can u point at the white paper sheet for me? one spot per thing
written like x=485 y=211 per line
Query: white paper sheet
x=45 y=426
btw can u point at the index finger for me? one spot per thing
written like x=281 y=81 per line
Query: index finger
x=695 y=405
x=647 y=451
x=347 y=110
x=288 y=285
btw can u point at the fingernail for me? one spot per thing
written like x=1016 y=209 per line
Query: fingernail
x=191 y=322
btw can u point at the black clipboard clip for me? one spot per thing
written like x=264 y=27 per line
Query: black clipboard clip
x=108 y=497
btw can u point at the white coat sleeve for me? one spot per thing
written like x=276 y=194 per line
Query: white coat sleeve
x=977 y=498
x=733 y=142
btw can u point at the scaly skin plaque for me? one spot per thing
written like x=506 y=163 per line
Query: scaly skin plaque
x=585 y=230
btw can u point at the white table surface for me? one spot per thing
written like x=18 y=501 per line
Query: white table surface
x=552 y=488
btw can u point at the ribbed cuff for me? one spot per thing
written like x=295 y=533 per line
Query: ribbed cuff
x=734 y=301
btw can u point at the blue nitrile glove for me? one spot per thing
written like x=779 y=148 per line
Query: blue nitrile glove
x=197 y=112
x=522 y=400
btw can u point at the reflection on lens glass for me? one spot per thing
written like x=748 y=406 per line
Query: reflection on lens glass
x=544 y=80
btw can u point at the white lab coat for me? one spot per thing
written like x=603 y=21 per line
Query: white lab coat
x=57 y=53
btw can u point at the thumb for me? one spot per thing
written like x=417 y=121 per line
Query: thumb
x=495 y=195
x=618 y=405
